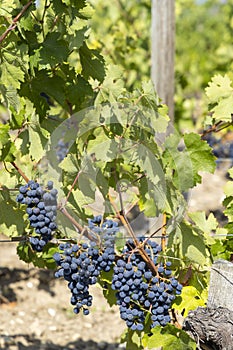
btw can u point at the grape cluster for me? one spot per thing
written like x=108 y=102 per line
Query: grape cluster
x=222 y=147
x=106 y=230
x=81 y=265
x=41 y=209
x=138 y=291
x=61 y=149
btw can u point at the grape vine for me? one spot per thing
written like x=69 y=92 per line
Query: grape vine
x=68 y=118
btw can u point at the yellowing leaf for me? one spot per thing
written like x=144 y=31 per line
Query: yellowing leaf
x=189 y=300
x=224 y=109
x=219 y=87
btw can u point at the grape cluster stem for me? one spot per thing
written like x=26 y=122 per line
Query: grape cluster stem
x=14 y=22
x=139 y=246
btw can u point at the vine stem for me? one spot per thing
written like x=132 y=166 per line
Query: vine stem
x=81 y=229
x=139 y=246
x=163 y=239
x=14 y=22
x=72 y=187
x=20 y=171
x=125 y=222
x=215 y=128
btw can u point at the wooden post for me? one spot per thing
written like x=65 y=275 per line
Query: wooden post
x=221 y=285
x=162 y=54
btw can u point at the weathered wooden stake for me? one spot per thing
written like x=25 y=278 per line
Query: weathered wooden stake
x=221 y=285
x=163 y=47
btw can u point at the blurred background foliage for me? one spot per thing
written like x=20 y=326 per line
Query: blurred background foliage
x=204 y=32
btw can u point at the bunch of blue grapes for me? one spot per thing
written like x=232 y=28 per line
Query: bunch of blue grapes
x=138 y=291
x=105 y=229
x=80 y=265
x=222 y=147
x=62 y=149
x=41 y=209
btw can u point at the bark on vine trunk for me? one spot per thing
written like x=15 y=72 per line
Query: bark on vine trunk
x=212 y=327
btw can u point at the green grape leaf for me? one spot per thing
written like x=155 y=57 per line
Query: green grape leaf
x=132 y=340
x=78 y=93
x=103 y=148
x=190 y=299
x=169 y=337
x=7 y=6
x=220 y=93
x=178 y=164
x=224 y=111
x=219 y=87
x=54 y=50
x=152 y=198
x=105 y=281
x=40 y=89
x=41 y=260
x=84 y=196
x=10 y=210
x=190 y=244
x=92 y=63
x=38 y=138
x=7 y=148
x=148 y=163
x=76 y=40
x=207 y=226
x=11 y=72
x=112 y=85
x=69 y=165
x=200 y=154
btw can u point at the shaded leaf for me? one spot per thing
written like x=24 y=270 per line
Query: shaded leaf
x=92 y=63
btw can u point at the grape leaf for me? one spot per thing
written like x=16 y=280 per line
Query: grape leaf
x=38 y=138
x=207 y=226
x=41 y=260
x=105 y=281
x=9 y=210
x=190 y=299
x=191 y=245
x=178 y=163
x=112 y=85
x=54 y=50
x=7 y=148
x=10 y=72
x=103 y=148
x=200 y=154
x=219 y=87
x=170 y=338
x=220 y=93
x=224 y=110
x=92 y=63
x=132 y=340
